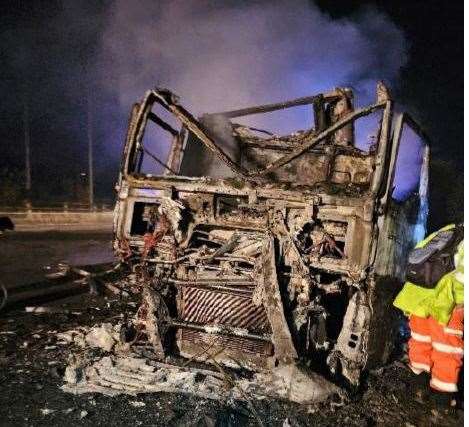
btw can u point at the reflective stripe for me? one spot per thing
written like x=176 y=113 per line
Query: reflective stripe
x=443 y=386
x=420 y=337
x=459 y=276
x=417 y=368
x=445 y=348
x=452 y=331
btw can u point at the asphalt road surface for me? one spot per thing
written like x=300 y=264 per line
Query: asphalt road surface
x=32 y=364
x=25 y=257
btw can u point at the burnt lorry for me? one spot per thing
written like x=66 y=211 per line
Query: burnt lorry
x=254 y=250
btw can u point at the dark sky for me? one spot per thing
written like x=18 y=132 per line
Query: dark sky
x=51 y=52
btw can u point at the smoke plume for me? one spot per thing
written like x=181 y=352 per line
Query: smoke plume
x=216 y=55
x=220 y=56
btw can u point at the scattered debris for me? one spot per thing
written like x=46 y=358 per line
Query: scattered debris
x=76 y=336
x=130 y=374
x=104 y=337
x=47 y=411
x=62 y=281
x=57 y=271
x=49 y=310
x=114 y=289
x=50 y=347
x=374 y=405
x=50 y=291
x=126 y=372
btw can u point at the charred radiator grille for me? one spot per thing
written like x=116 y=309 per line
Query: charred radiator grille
x=236 y=344
x=209 y=307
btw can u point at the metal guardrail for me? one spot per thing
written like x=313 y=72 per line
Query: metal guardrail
x=64 y=207
x=43 y=219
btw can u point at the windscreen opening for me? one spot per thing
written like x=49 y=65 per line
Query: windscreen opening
x=407 y=175
x=256 y=137
x=158 y=135
x=367 y=131
x=281 y=122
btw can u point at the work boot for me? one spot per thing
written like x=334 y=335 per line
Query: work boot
x=443 y=400
x=421 y=387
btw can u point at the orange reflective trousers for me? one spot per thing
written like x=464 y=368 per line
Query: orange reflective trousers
x=438 y=349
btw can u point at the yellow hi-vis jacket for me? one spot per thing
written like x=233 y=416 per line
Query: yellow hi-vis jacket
x=439 y=301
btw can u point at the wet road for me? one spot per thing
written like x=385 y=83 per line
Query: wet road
x=25 y=256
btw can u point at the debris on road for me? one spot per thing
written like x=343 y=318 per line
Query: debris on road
x=65 y=281
x=103 y=337
x=137 y=404
x=73 y=357
x=125 y=371
x=131 y=374
x=49 y=310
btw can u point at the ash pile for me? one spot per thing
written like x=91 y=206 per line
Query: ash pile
x=120 y=358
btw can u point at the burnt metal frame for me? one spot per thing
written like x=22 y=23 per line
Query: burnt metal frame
x=382 y=178
x=169 y=101
x=401 y=119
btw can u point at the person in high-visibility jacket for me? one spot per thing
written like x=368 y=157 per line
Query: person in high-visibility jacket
x=436 y=318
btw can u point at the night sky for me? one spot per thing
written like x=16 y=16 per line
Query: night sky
x=52 y=55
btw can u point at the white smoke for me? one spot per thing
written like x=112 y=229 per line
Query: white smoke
x=219 y=57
